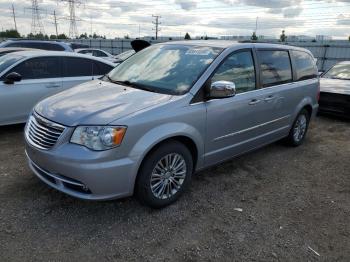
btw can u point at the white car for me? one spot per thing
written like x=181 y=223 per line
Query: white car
x=29 y=76
x=97 y=53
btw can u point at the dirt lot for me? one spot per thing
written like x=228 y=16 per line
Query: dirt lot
x=293 y=199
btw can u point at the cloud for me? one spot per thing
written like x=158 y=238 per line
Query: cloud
x=187 y=4
x=292 y=11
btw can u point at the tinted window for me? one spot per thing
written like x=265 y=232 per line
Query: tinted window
x=305 y=65
x=15 y=44
x=85 y=52
x=78 y=67
x=51 y=47
x=239 y=69
x=275 y=67
x=101 y=68
x=38 y=68
x=99 y=53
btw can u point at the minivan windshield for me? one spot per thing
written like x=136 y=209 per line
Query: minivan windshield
x=9 y=60
x=170 y=69
x=340 y=71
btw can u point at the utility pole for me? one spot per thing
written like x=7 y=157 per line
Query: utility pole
x=91 y=26
x=55 y=22
x=157 y=23
x=256 y=25
x=14 y=17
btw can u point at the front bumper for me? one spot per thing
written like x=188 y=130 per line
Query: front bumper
x=83 y=173
x=335 y=104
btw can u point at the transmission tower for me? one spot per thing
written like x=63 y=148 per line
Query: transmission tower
x=72 y=4
x=37 y=25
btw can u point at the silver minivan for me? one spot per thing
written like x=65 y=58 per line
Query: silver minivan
x=167 y=112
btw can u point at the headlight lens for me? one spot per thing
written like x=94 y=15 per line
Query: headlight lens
x=98 y=137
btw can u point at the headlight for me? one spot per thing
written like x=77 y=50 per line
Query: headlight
x=98 y=137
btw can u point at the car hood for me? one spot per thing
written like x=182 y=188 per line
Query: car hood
x=338 y=86
x=96 y=103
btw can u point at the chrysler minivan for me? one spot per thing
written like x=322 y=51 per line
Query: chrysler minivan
x=167 y=112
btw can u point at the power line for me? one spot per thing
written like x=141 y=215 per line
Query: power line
x=157 y=23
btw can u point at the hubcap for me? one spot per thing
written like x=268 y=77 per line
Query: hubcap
x=168 y=176
x=300 y=128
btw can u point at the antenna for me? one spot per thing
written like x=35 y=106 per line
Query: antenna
x=157 y=23
x=37 y=25
x=14 y=17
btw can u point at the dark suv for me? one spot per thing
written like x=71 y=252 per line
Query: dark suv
x=38 y=44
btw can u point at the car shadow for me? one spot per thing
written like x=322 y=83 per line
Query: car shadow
x=10 y=129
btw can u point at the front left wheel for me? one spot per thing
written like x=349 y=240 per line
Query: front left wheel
x=164 y=175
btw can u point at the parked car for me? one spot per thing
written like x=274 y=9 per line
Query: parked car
x=97 y=52
x=38 y=44
x=335 y=90
x=7 y=50
x=123 y=56
x=78 y=45
x=168 y=111
x=29 y=76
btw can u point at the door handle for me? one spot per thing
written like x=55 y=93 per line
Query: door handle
x=254 y=102
x=269 y=98
x=53 y=85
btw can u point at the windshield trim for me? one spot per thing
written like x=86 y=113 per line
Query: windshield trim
x=160 y=90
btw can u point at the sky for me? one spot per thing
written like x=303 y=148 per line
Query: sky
x=197 y=17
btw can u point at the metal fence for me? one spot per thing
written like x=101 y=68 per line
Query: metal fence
x=327 y=54
x=113 y=46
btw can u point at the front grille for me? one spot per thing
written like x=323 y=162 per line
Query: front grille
x=42 y=133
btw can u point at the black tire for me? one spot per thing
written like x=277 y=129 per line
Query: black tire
x=143 y=188
x=291 y=140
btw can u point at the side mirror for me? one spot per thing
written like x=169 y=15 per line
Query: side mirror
x=12 y=77
x=222 y=89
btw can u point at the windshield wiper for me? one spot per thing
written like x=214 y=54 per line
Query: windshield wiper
x=133 y=84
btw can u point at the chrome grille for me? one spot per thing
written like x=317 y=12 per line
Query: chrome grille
x=42 y=133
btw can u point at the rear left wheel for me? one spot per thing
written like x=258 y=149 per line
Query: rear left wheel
x=299 y=129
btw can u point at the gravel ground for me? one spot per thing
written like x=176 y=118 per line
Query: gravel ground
x=276 y=204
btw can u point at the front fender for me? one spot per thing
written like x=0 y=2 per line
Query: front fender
x=160 y=133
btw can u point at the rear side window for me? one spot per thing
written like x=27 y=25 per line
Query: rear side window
x=74 y=66
x=39 y=68
x=305 y=66
x=239 y=69
x=101 y=68
x=275 y=67
x=99 y=53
